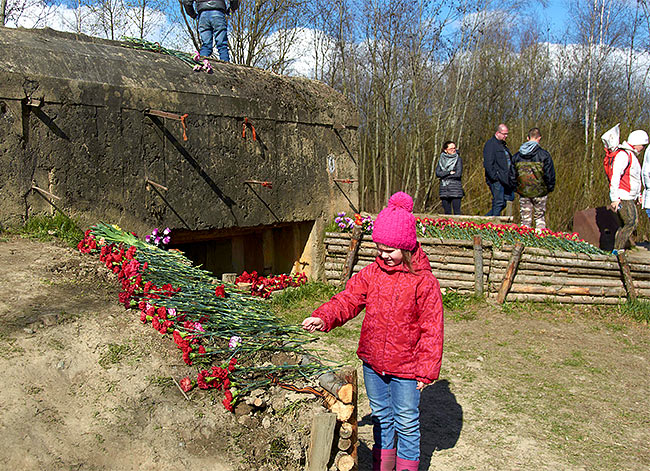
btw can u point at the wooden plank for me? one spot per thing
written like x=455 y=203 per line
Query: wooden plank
x=510 y=273
x=478 y=266
x=320 y=444
x=353 y=249
x=564 y=299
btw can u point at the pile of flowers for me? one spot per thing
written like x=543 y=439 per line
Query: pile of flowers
x=346 y=223
x=229 y=336
x=498 y=234
x=263 y=286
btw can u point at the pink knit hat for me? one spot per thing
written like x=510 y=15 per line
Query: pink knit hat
x=395 y=224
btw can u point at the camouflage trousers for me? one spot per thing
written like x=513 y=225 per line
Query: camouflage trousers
x=628 y=215
x=530 y=207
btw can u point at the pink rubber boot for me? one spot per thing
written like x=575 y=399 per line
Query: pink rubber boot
x=383 y=460
x=406 y=465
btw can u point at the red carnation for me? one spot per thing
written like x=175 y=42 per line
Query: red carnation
x=227 y=401
x=186 y=384
x=220 y=291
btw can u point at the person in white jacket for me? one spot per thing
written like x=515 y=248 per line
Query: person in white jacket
x=625 y=187
x=645 y=176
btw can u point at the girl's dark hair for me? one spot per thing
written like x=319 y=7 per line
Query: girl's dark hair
x=407 y=259
x=446 y=144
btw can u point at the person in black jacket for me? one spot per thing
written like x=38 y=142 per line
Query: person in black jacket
x=213 y=24
x=497 y=162
x=533 y=176
x=450 y=171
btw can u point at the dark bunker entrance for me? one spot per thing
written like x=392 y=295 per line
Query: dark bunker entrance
x=276 y=249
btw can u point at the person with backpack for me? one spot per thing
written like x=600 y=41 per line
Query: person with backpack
x=532 y=175
x=213 y=25
x=625 y=185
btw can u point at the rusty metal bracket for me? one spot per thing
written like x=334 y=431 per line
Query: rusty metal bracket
x=43 y=192
x=174 y=116
x=258 y=182
x=346 y=180
x=158 y=185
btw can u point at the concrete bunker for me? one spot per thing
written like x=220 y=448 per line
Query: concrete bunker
x=244 y=165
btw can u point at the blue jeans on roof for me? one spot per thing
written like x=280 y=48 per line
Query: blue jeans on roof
x=213 y=25
x=499 y=197
x=395 y=412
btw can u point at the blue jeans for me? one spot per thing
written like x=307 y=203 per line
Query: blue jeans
x=499 y=197
x=213 y=25
x=395 y=414
x=647 y=211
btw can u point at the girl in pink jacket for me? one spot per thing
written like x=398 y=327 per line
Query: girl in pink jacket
x=401 y=334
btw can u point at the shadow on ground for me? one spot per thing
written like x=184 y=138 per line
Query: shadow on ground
x=441 y=420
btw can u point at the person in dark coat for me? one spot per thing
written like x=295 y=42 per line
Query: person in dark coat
x=450 y=171
x=533 y=177
x=497 y=160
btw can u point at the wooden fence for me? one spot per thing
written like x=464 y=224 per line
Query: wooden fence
x=539 y=274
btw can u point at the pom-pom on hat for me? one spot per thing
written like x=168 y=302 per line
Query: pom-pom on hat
x=395 y=224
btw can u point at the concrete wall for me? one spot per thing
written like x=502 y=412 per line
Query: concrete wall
x=74 y=122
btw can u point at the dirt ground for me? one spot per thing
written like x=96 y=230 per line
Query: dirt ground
x=87 y=387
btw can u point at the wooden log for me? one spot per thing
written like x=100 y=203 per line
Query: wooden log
x=346 y=429
x=350 y=375
x=336 y=386
x=478 y=266
x=567 y=290
x=344 y=444
x=320 y=444
x=510 y=273
x=343 y=411
x=550 y=260
x=456 y=284
x=566 y=281
x=350 y=259
x=344 y=462
x=627 y=276
x=442 y=274
x=453 y=267
x=564 y=299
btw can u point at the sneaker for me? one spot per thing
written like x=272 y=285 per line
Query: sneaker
x=617 y=251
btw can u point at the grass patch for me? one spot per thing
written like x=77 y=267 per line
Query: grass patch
x=315 y=291
x=637 y=310
x=115 y=354
x=294 y=304
x=46 y=228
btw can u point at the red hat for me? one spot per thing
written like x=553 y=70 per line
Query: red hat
x=395 y=224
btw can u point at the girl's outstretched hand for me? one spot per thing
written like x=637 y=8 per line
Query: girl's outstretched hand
x=312 y=324
x=420 y=386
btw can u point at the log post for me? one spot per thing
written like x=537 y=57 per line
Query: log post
x=627 y=276
x=353 y=248
x=478 y=266
x=320 y=445
x=350 y=375
x=510 y=272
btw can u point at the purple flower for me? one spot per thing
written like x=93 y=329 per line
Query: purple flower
x=166 y=240
x=154 y=232
x=148 y=238
x=157 y=241
x=167 y=231
x=235 y=341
